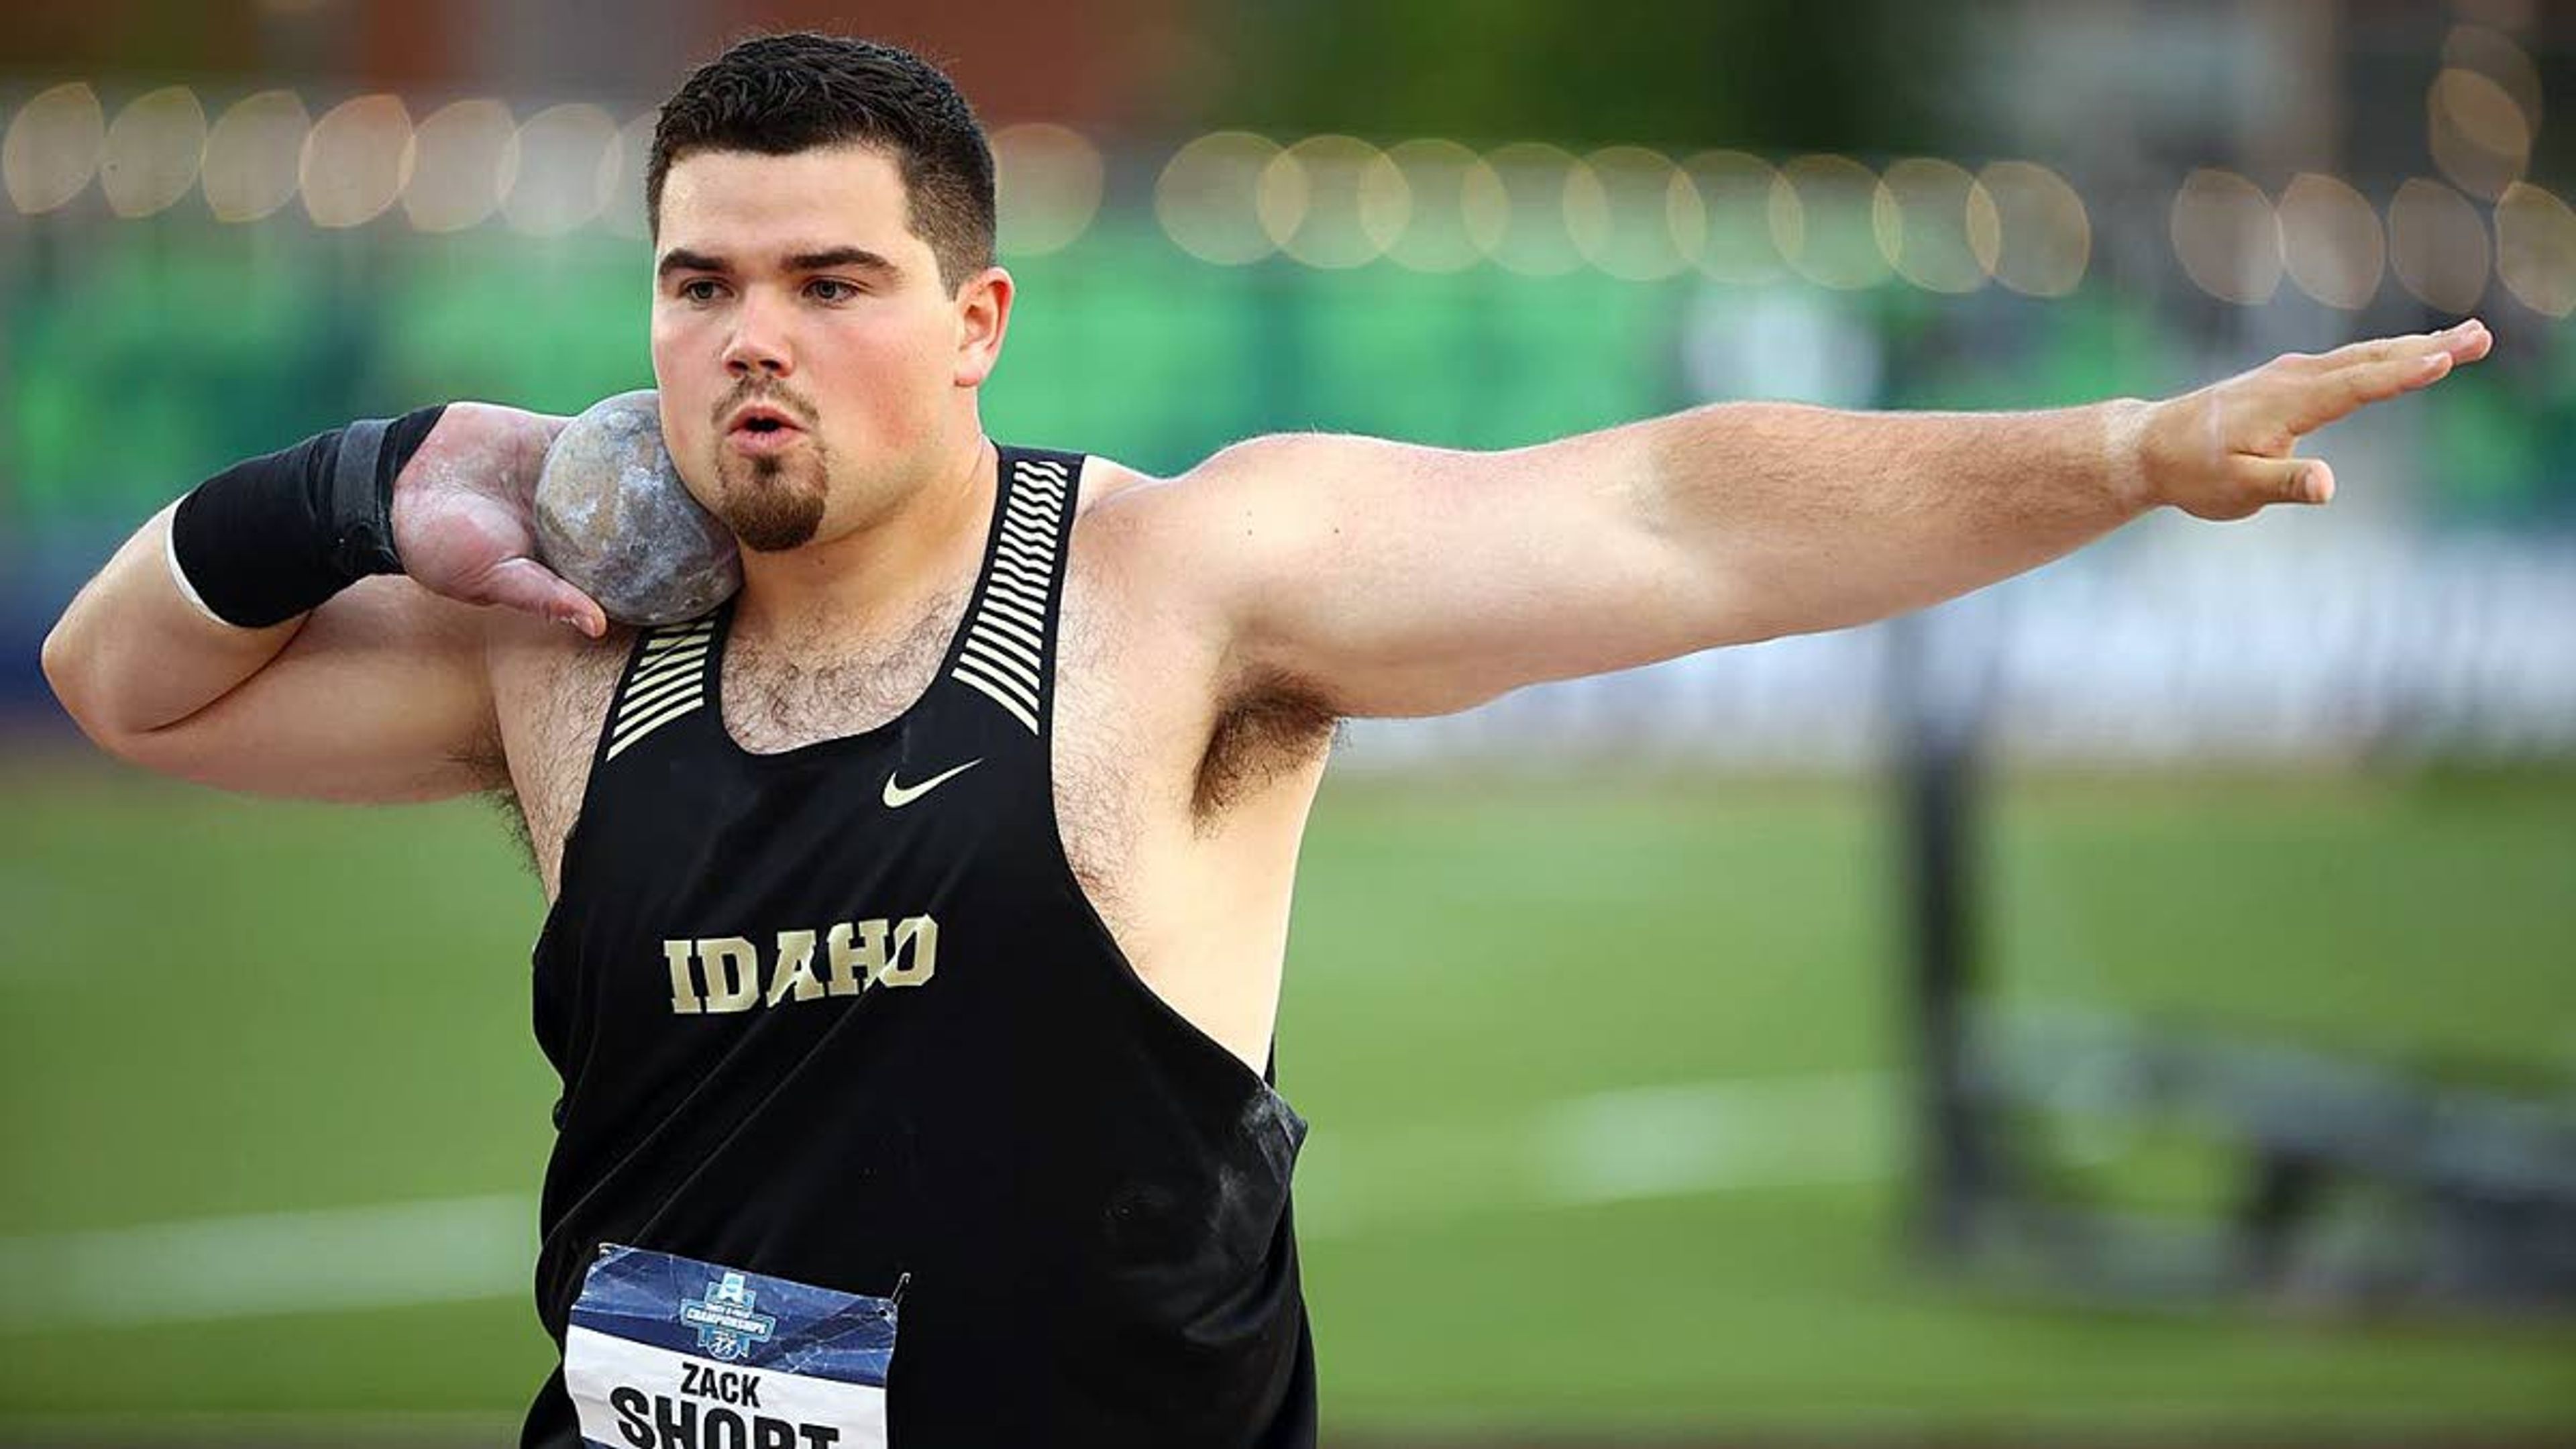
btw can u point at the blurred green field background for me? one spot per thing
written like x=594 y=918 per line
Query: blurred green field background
x=327 y=1008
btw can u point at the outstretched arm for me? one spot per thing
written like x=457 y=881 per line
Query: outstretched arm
x=1387 y=579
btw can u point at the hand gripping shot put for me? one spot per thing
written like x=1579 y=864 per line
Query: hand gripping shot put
x=917 y=813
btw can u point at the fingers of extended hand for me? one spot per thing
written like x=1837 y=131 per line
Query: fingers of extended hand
x=2379 y=381
x=2316 y=401
x=2466 y=342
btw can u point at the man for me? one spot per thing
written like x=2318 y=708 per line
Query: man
x=917 y=917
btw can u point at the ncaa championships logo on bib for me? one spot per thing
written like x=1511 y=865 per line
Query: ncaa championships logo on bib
x=727 y=1328
x=803 y=1366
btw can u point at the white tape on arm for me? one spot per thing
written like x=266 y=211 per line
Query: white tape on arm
x=178 y=575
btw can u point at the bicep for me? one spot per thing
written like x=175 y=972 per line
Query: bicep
x=1394 y=579
x=382 y=695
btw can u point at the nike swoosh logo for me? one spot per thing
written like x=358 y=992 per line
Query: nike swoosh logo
x=898 y=796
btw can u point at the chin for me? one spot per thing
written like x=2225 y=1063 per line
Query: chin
x=773 y=530
x=772 y=514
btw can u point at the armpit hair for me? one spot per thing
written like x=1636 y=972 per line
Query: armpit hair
x=505 y=803
x=1272 y=726
x=491 y=769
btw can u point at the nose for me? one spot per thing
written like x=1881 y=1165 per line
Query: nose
x=758 y=346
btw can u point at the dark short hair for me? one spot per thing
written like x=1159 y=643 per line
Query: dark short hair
x=780 y=94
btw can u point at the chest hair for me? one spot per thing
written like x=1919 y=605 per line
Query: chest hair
x=781 y=697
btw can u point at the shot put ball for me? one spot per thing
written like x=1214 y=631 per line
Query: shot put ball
x=614 y=519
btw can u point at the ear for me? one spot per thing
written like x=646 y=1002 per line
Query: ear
x=983 y=315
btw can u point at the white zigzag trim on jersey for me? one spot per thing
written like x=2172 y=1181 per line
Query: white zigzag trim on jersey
x=1003 y=653
x=963 y=674
x=669 y=684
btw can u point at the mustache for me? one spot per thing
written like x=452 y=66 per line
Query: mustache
x=772 y=395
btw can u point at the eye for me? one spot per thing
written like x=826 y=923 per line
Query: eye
x=698 y=289
x=832 y=289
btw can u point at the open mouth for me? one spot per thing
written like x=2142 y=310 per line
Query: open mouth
x=763 y=430
x=761 y=420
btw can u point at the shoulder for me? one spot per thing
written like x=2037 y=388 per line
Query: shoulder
x=1220 y=508
x=1270 y=460
x=1183 y=568
x=1105 y=478
x=1114 y=513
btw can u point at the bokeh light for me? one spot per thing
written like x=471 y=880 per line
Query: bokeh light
x=356 y=161
x=2536 y=249
x=1313 y=203
x=1722 y=218
x=1522 y=221
x=623 y=213
x=1418 y=194
x=566 y=166
x=1048 y=181
x=2480 y=138
x=154 y=151
x=2043 y=240
x=1208 y=198
x=2227 y=237
x=1619 y=209
x=251 y=156
x=2501 y=59
x=1923 y=216
x=456 y=166
x=1823 y=219
x=53 y=147
x=2437 y=245
x=2330 y=241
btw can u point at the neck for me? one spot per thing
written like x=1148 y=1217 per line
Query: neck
x=878 y=574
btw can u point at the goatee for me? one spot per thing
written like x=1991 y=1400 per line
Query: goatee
x=769 y=514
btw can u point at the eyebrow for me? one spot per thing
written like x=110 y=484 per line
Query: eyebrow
x=681 y=259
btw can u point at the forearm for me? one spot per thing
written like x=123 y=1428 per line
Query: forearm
x=132 y=654
x=1790 y=519
x=217 y=585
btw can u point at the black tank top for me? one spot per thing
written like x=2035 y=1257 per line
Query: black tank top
x=842 y=1015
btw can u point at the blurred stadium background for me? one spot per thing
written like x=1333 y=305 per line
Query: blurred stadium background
x=2137 y=1004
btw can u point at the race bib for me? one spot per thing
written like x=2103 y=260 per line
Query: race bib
x=672 y=1353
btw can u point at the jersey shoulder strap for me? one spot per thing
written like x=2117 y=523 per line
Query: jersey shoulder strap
x=1007 y=650
x=669 y=677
